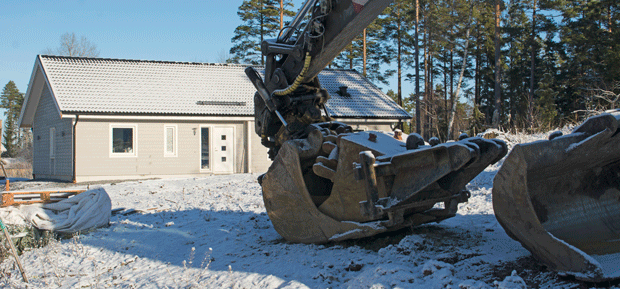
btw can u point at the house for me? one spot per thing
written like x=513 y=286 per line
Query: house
x=110 y=119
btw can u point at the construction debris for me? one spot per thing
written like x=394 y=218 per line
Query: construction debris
x=28 y=198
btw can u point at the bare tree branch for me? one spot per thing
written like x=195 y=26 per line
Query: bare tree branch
x=71 y=46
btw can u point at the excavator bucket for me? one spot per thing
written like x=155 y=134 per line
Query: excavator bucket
x=336 y=185
x=560 y=198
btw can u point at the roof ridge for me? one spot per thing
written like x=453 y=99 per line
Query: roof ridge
x=175 y=62
x=145 y=60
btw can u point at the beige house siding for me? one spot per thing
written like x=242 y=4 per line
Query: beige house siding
x=48 y=165
x=260 y=157
x=362 y=125
x=95 y=162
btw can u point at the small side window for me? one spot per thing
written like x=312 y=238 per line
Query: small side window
x=52 y=142
x=123 y=140
x=170 y=141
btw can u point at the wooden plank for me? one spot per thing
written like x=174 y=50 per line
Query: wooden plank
x=25 y=198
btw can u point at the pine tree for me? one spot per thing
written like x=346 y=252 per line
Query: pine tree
x=590 y=58
x=545 y=103
x=498 y=79
x=11 y=100
x=261 y=20
x=397 y=25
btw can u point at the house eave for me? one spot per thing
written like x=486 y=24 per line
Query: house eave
x=156 y=117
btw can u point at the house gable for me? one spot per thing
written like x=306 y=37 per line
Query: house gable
x=38 y=82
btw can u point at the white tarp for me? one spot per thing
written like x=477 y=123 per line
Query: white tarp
x=88 y=210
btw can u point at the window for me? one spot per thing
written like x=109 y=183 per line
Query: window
x=204 y=148
x=52 y=142
x=123 y=140
x=170 y=141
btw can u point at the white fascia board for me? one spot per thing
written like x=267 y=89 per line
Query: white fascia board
x=49 y=84
x=210 y=118
x=166 y=118
x=368 y=120
x=28 y=97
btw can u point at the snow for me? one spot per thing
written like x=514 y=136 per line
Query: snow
x=214 y=232
x=609 y=263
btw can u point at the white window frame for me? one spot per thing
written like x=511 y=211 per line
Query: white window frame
x=134 y=152
x=210 y=169
x=174 y=141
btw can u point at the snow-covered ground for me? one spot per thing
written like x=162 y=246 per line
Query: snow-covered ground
x=213 y=232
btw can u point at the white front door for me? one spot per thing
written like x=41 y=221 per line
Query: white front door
x=223 y=150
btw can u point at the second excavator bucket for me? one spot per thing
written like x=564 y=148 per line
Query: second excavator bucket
x=561 y=199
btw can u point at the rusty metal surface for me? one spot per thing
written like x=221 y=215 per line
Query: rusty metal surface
x=561 y=200
x=290 y=206
x=315 y=186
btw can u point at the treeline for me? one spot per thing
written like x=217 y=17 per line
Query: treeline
x=16 y=141
x=517 y=64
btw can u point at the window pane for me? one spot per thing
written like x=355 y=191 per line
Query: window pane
x=52 y=142
x=122 y=140
x=170 y=140
x=204 y=147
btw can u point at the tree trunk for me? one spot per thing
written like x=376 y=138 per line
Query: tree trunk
x=418 y=128
x=281 y=14
x=530 y=102
x=451 y=72
x=477 y=74
x=351 y=56
x=399 y=63
x=445 y=86
x=497 y=91
x=262 y=32
x=364 y=52
x=425 y=103
x=455 y=97
x=431 y=88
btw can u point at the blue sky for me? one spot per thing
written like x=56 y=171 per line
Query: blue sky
x=151 y=30
x=154 y=30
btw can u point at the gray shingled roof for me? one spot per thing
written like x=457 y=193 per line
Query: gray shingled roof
x=98 y=85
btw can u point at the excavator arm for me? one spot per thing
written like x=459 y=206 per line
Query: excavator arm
x=290 y=97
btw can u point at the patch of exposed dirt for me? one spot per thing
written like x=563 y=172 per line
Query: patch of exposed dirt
x=536 y=275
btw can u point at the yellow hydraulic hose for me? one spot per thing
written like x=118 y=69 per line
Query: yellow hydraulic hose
x=297 y=82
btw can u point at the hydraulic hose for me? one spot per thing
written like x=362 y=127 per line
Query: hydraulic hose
x=298 y=79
